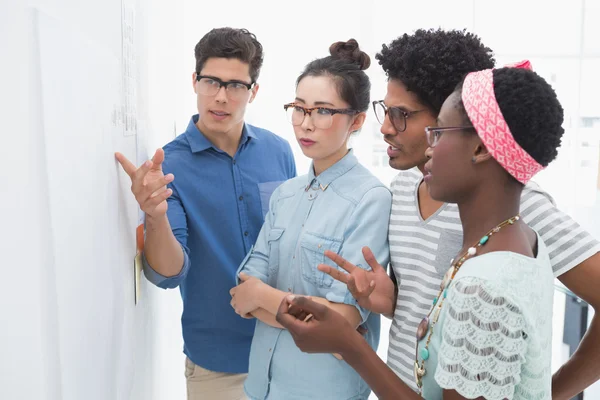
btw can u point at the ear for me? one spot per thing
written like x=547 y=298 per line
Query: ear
x=194 y=81
x=359 y=120
x=480 y=154
x=253 y=93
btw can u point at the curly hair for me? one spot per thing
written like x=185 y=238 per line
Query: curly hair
x=531 y=110
x=230 y=43
x=430 y=63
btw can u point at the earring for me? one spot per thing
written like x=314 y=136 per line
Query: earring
x=473 y=160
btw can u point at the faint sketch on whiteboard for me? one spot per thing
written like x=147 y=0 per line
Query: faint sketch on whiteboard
x=130 y=75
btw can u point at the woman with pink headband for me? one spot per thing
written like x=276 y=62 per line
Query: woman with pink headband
x=488 y=333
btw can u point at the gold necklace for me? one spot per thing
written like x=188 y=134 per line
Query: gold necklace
x=438 y=301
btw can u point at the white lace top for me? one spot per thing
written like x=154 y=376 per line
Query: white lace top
x=493 y=337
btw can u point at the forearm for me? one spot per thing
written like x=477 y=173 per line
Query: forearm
x=270 y=298
x=266 y=317
x=382 y=380
x=162 y=250
x=582 y=369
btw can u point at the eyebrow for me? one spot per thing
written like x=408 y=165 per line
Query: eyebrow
x=224 y=81
x=317 y=103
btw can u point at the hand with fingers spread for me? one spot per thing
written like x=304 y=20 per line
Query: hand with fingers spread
x=315 y=327
x=373 y=290
x=149 y=183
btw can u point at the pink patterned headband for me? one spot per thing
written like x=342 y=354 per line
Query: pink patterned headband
x=485 y=115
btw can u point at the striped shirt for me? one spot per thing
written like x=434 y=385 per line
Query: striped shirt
x=421 y=251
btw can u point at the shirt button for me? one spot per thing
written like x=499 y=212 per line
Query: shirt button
x=241 y=197
x=246 y=233
x=233 y=162
x=270 y=350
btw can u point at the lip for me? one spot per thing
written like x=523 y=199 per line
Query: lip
x=427 y=172
x=392 y=150
x=306 y=142
x=219 y=115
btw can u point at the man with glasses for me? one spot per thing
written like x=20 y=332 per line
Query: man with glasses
x=205 y=197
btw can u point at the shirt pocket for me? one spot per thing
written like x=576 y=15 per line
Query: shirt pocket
x=274 y=241
x=313 y=248
x=265 y=190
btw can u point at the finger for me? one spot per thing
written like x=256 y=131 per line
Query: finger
x=155 y=186
x=137 y=179
x=362 y=330
x=297 y=312
x=157 y=159
x=127 y=165
x=340 y=261
x=153 y=202
x=371 y=260
x=244 y=277
x=360 y=292
x=287 y=320
x=317 y=310
x=232 y=291
x=333 y=272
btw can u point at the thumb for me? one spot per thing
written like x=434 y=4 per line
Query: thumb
x=370 y=259
x=244 y=277
x=157 y=160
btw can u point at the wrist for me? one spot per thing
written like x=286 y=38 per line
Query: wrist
x=261 y=291
x=154 y=222
x=351 y=343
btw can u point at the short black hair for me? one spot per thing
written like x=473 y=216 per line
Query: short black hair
x=345 y=64
x=230 y=43
x=430 y=63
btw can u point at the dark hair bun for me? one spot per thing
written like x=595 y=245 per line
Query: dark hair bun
x=351 y=52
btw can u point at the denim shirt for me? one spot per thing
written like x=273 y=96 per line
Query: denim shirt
x=342 y=210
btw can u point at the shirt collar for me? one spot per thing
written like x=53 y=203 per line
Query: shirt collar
x=198 y=142
x=332 y=173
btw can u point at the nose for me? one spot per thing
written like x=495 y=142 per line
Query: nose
x=429 y=152
x=387 y=128
x=307 y=123
x=221 y=96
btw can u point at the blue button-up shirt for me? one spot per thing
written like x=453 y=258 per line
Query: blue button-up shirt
x=342 y=209
x=216 y=211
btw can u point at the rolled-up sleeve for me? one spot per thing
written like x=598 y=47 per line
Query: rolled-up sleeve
x=177 y=220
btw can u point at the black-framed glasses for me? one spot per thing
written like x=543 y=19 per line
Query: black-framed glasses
x=210 y=85
x=433 y=133
x=397 y=115
x=322 y=118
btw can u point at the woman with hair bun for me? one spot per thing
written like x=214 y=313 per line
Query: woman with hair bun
x=337 y=206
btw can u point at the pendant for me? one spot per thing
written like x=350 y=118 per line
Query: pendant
x=419 y=374
x=422 y=328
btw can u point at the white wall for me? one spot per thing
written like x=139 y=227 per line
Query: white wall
x=68 y=326
x=70 y=329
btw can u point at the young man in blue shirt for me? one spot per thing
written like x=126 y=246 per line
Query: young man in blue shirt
x=205 y=196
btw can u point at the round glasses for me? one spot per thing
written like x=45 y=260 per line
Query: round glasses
x=434 y=133
x=397 y=115
x=210 y=86
x=322 y=117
